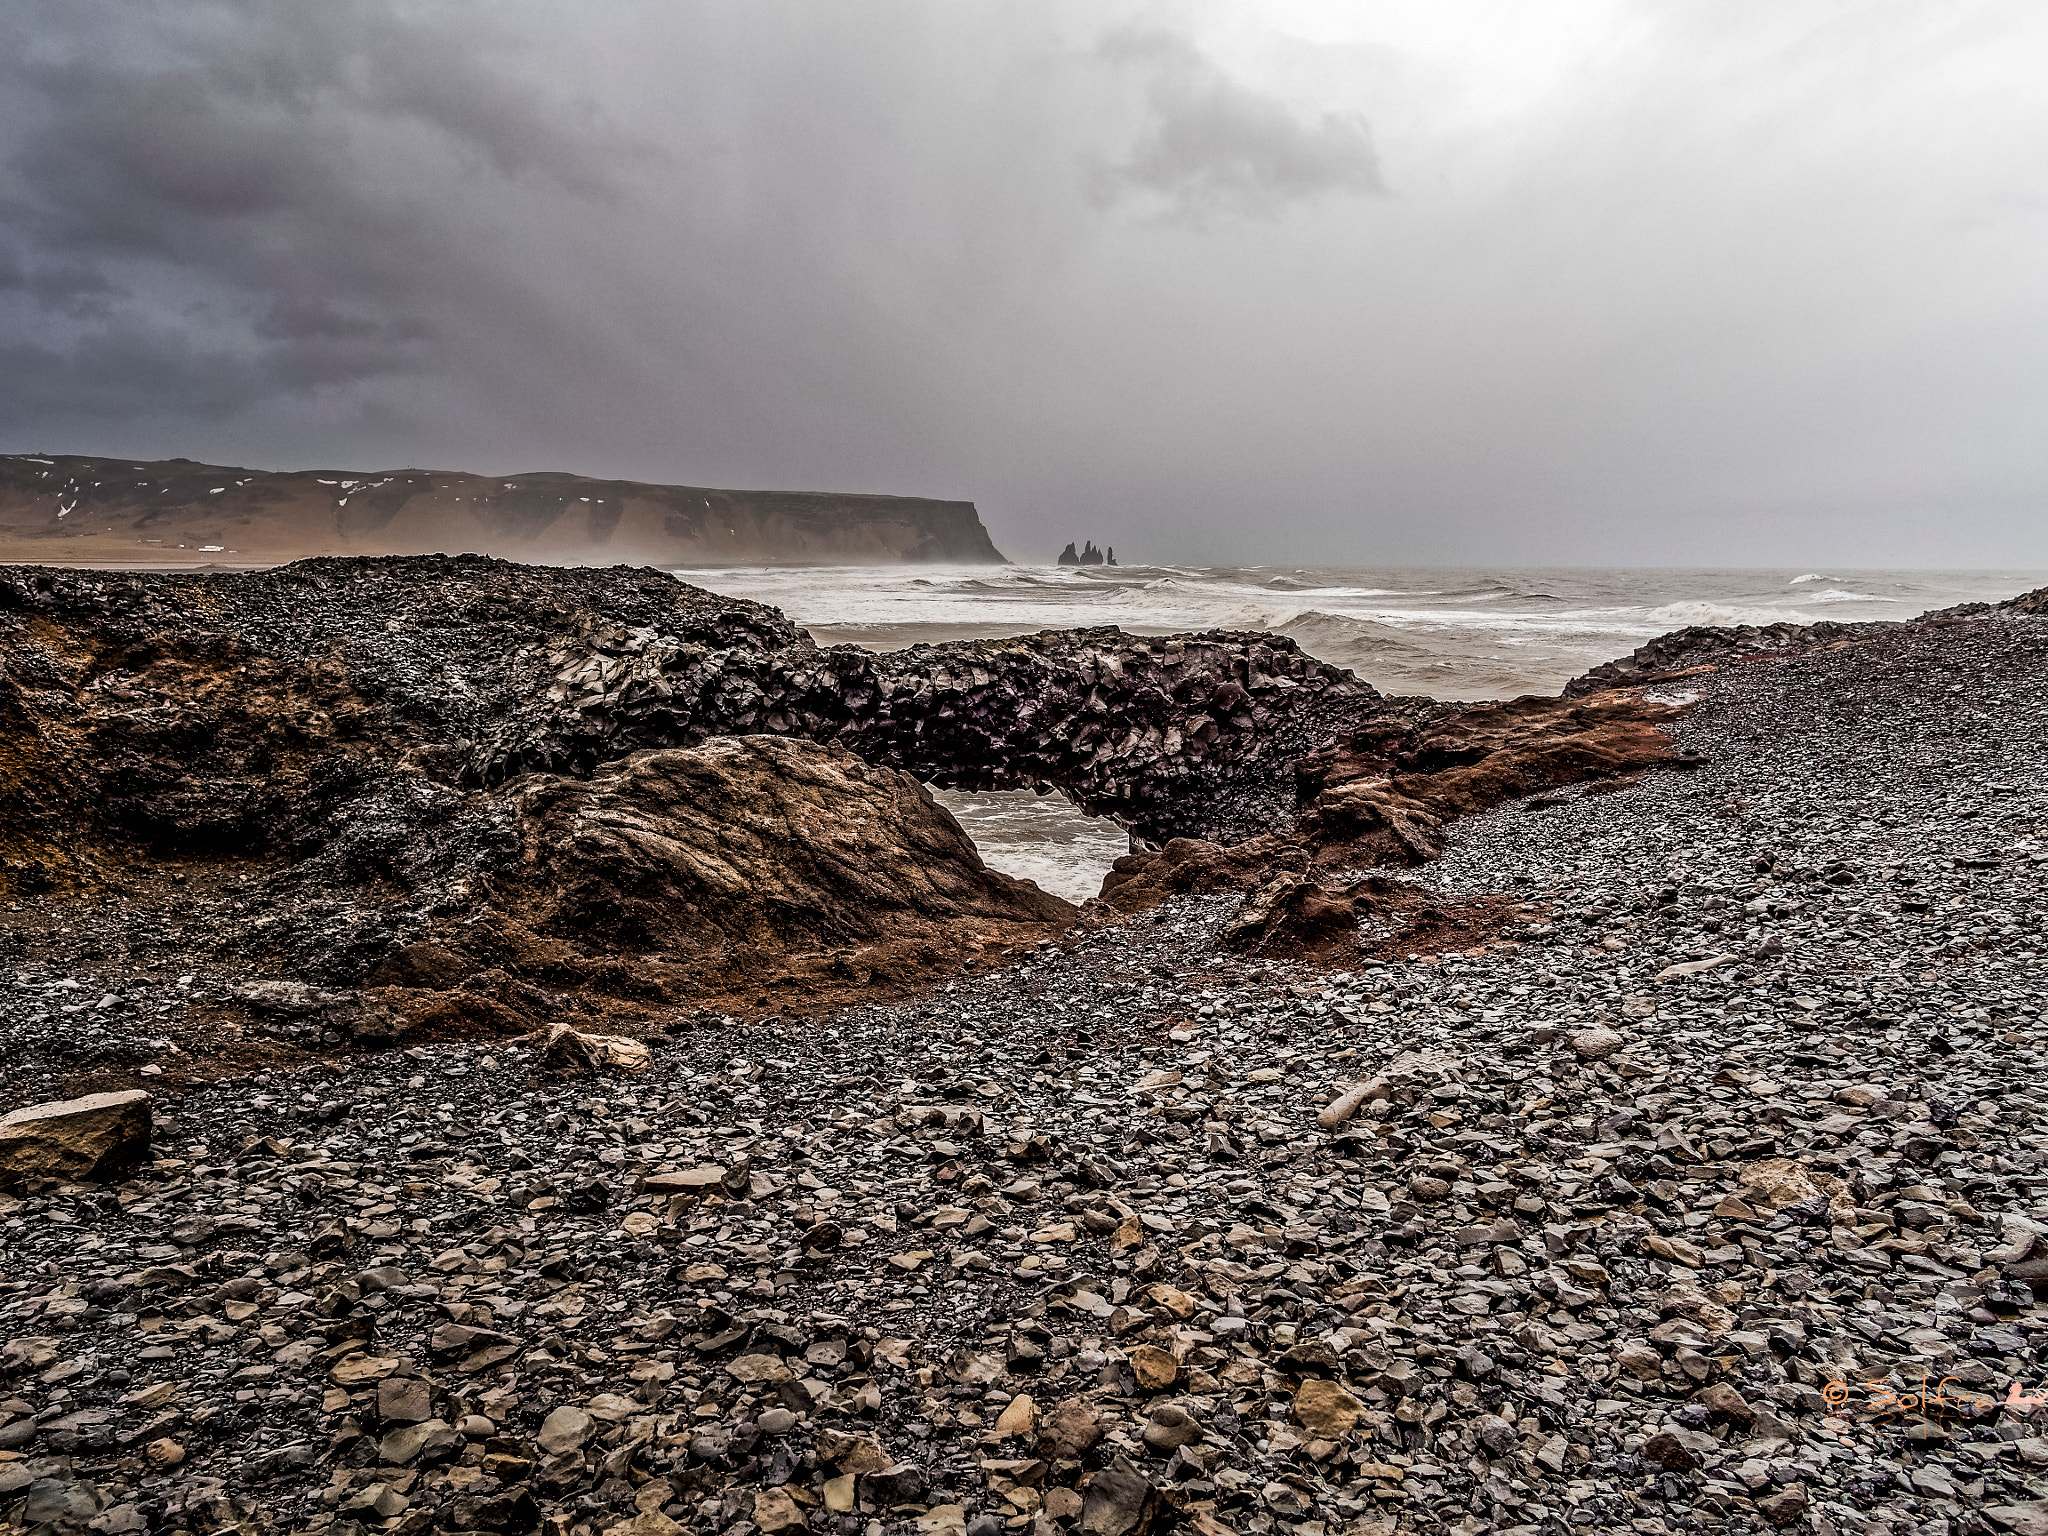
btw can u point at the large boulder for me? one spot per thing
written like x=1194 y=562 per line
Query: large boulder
x=758 y=844
x=747 y=863
x=75 y=1139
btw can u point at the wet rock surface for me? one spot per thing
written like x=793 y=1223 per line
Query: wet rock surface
x=1648 y=1204
x=367 y=798
x=1386 y=794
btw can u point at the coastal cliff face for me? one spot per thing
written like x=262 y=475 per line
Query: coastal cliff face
x=73 y=509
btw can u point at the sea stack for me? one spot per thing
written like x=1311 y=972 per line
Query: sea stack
x=1089 y=555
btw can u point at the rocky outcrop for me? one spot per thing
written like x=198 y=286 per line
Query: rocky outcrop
x=1682 y=652
x=746 y=861
x=1089 y=555
x=1296 y=916
x=1384 y=794
x=72 y=508
x=1704 y=648
x=441 y=794
x=234 y=713
x=2034 y=603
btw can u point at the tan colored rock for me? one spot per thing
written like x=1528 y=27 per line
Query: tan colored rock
x=1175 y=1300
x=357 y=1369
x=563 y=1049
x=1019 y=1417
x=756 y=1369
x=1724 y=1402
x=1155 y=1369
x=1351 y=1101
x=1776 y=1183
x=1688 y=1301
x=566 y=1429
x=697 y=1181
x=1640 y=1359
x=775 y=1511
x=1325 y=1409
x=1779 y=1181
x=1675 y=1250
x=1693 y=967
x=74 y=1139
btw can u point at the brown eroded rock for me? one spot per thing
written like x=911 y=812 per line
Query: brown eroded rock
x=1384 y=795
x=1325 y=1409
x=745 y=863
x=1072 y=1428
x=1298 y=917
x=1389 y=793
x=564 y=1050
x=755 y=846
x=74 y=1139
x=1155 y=1369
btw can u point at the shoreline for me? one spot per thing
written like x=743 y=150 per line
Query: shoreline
x=1089 y=1235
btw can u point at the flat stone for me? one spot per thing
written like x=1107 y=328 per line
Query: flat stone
x=1155 y=1369
x=74 y=1139
x=1019 y=1416
x=776 y=1511
x=1597 y=1044
x=404 y=1400
x=1118 y=1503
x=756 y=1369
x=1325 y=1409
x=566 y=1429
x=401 y=1445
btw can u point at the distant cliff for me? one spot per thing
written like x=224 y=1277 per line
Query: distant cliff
x=60 y=508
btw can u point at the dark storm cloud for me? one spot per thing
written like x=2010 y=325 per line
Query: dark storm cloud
x=242 y=198
x=1749 y=282
x=1214 y=144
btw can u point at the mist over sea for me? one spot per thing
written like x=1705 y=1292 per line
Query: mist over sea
x=1452 y=634
x=1448 y=633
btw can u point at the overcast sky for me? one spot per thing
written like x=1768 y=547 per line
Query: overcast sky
x=1750 y=282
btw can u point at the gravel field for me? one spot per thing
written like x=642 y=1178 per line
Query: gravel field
x=1652 y=1211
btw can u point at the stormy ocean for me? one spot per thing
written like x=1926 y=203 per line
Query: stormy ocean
x=1449 y=633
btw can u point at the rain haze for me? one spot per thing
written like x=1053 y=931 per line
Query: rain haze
x=1441 y=283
